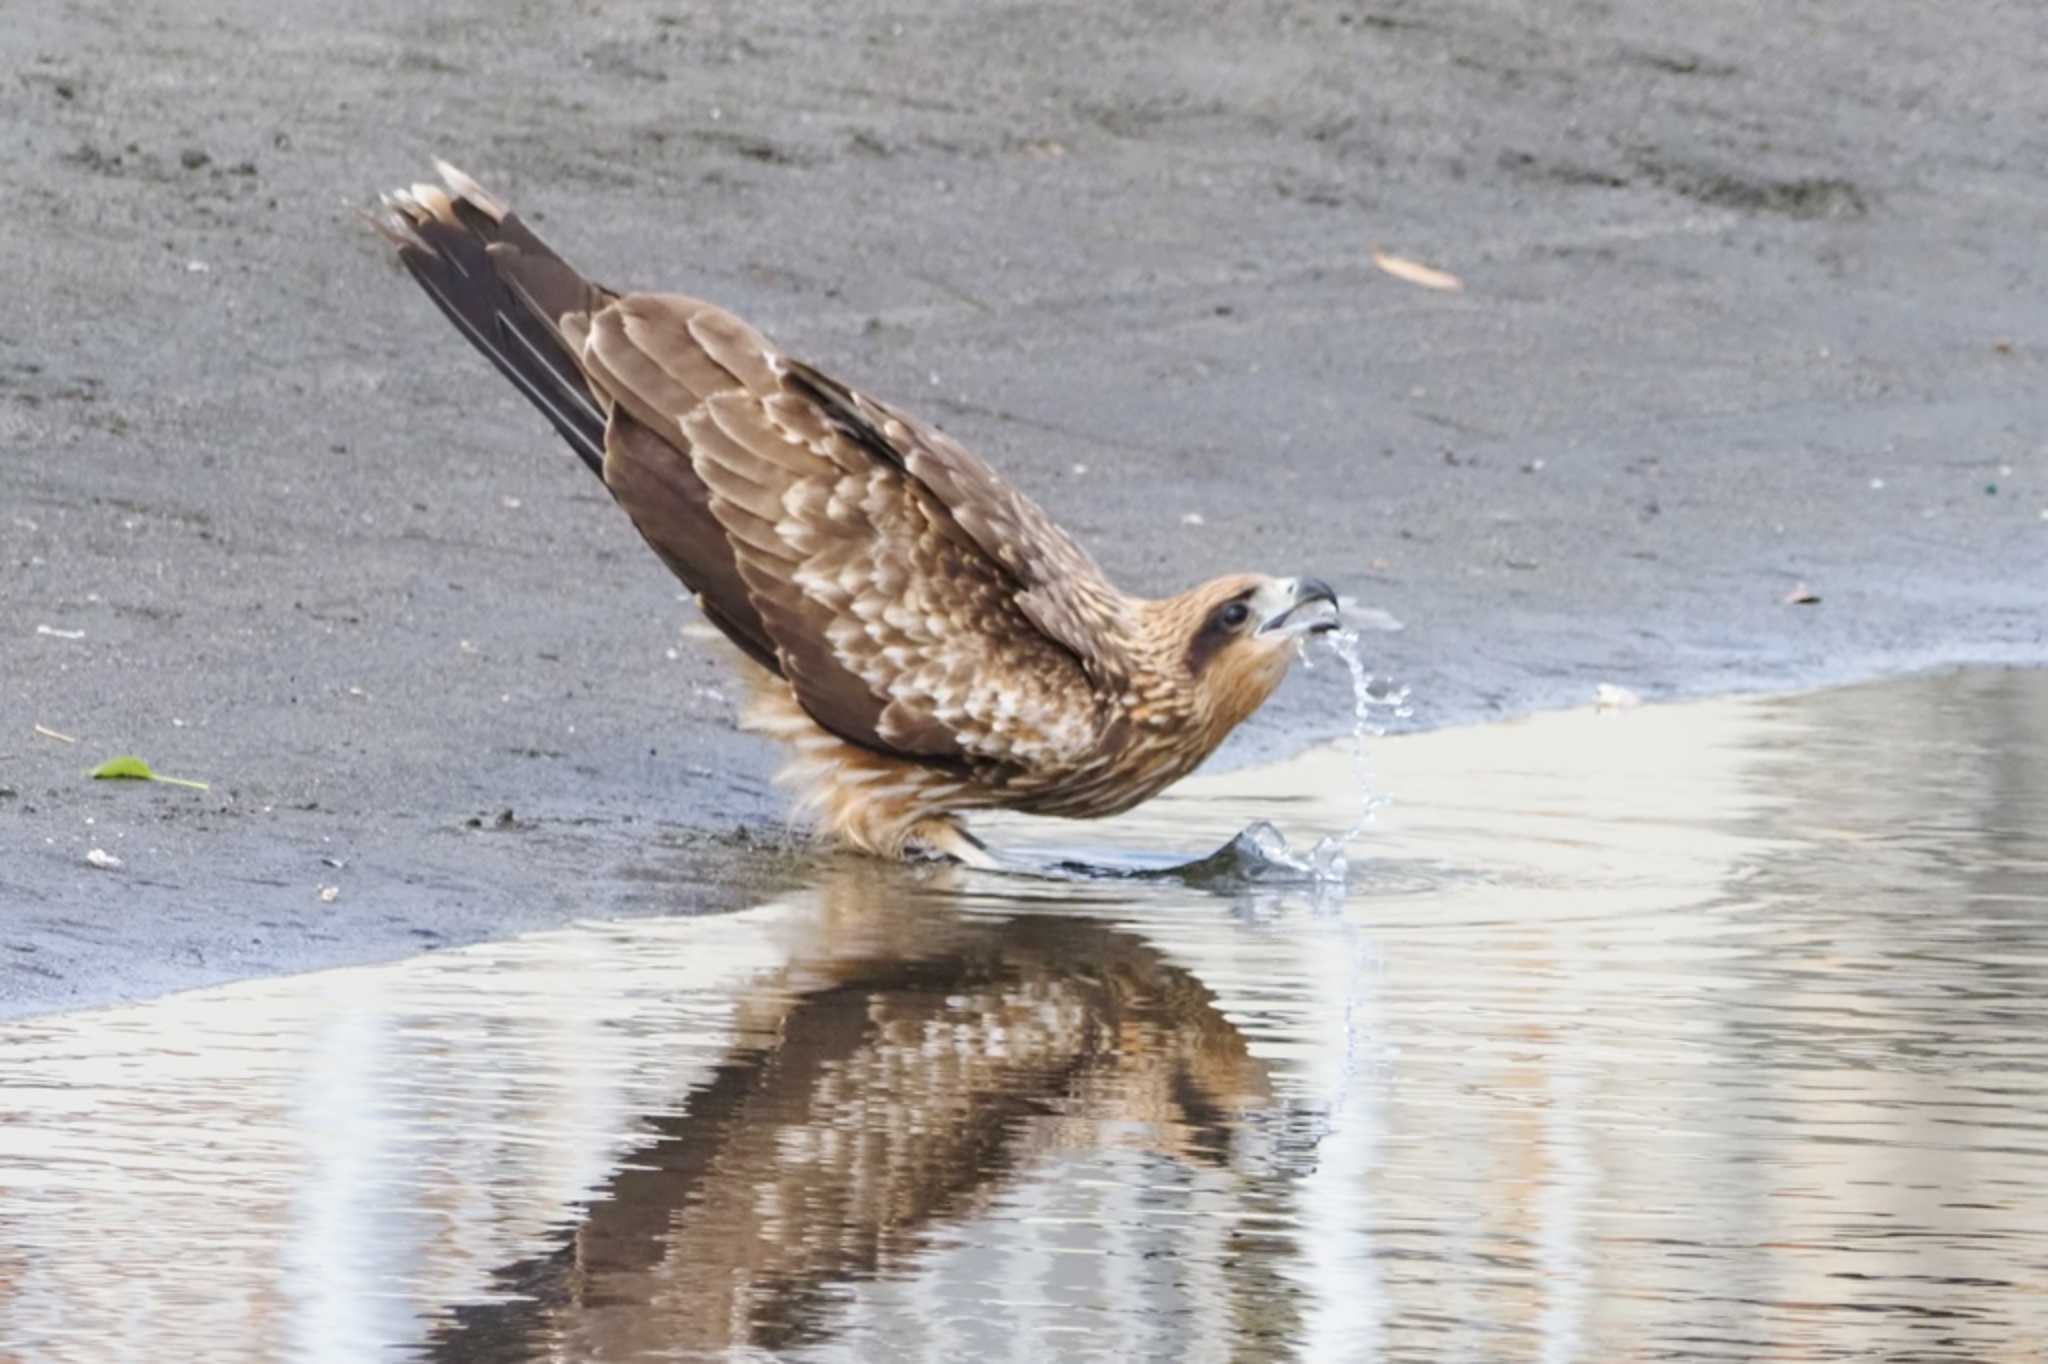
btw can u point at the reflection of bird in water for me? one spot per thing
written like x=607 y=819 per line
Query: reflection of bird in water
x=922 y=634
x=894 y=1077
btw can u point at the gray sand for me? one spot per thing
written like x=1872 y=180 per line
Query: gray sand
x=1754 y=299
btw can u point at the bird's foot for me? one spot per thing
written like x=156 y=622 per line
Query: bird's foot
x=947 y=839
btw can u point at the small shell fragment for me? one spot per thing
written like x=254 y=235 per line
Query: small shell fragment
x=1608 y=696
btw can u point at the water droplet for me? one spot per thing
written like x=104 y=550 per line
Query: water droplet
x=1326 y=860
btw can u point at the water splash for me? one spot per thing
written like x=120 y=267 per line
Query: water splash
x=1327 y=860
x=1330 y=862
x=1261 y=854
x=1328 y=855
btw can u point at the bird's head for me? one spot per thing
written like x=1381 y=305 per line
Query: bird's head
x=1230 y=641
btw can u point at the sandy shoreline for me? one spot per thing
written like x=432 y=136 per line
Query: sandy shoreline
x=1751 y=302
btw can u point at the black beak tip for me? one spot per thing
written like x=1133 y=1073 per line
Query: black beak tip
x=1307 y=590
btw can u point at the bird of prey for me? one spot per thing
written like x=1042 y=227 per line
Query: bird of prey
x=925 y=638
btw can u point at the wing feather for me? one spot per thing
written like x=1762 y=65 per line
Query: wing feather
x=659 y=328
x=671 y=508
x=915 y=603
x=737 y=348
x=1063 y=592
x=886 y=572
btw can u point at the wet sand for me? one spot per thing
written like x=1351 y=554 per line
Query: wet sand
x=1754 y=300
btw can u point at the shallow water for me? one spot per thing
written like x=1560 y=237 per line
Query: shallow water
x=1716 y=1031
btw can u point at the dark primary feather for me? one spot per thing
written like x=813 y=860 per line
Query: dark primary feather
x=671 y=509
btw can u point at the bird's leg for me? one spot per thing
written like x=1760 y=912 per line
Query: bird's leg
x=945 y=836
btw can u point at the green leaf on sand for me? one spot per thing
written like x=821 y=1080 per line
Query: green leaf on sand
x=132 y=768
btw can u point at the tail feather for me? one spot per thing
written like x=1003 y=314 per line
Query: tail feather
x=506 y=291
x=531 y=315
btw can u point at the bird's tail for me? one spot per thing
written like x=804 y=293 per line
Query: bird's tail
x=506 y=291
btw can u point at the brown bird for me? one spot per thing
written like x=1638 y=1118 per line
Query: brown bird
x=922 y=634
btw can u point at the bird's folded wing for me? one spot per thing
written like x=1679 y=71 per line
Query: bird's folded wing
x=915 y=602
x=1063 y=590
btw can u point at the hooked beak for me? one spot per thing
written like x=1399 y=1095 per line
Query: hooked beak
x=1307 y=592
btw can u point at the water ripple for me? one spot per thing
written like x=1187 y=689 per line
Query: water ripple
x=1696 y=1033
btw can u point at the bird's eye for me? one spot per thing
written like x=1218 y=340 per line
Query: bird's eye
x=1234 y=615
